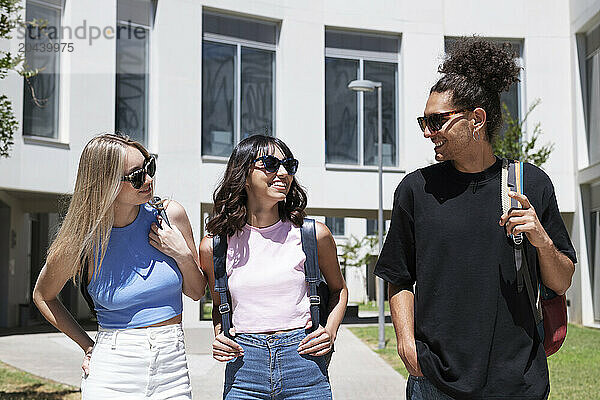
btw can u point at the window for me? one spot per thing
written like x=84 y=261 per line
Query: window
x=134 y=21
x=512 y=97
x=592 y=67
x=351 y=118
x=238 y=81
x=336 y=225
x=40 y=92
x=594 y=249
x=593 y=243
x=372 y=227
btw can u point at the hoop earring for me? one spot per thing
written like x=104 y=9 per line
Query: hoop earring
x=476 y=138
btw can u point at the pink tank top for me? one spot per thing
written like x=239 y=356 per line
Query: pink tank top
x=265 y=269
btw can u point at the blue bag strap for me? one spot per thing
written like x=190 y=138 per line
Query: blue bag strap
x=512 y=182
x=515 y=181
x=311 y=268
x=219 y=254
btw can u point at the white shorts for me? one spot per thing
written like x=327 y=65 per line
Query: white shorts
x=142 y=363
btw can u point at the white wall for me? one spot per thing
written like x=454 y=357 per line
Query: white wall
x=88 y=90
x=584 y=15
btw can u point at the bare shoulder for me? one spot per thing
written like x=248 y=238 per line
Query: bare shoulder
x=322 y=231
x=175 y=211
x=206 y=246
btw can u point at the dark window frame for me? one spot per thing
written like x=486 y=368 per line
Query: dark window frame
x=56 y=6
x=332 y=224
x=148 y=28
x=366 y=51
x=591 y=39
x=240 y=44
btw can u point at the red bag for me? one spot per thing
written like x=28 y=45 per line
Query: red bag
x=554 y=311
x=550 y=309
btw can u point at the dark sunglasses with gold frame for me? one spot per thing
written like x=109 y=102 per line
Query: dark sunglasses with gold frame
x=138 y=177
x=435 y=122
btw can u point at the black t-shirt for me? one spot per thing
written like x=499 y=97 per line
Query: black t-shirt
x=474 y=331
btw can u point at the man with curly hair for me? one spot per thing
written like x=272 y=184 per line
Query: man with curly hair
x=468 y=330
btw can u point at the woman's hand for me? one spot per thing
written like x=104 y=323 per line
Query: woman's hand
x=225 y=349
x=85 y=365
x=169 y=240
x=317 y=343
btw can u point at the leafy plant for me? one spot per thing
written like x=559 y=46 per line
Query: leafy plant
x=8 y=125
x=512 y=143
x=10 y=18
x=357 y=252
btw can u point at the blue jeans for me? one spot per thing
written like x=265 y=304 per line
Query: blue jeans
x=272 y=369
x=419 y=388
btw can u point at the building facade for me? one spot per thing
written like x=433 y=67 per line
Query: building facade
x=190 y=78
x=585 y=105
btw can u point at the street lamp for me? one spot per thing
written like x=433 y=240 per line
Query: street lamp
x=369 y=86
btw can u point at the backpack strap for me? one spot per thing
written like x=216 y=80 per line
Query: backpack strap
x=311 y=268
x=515 y=183
x=219 y=254
x=83 y=284
x=534 y=302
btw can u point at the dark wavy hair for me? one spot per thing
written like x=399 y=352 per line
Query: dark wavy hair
x=230 y=197
x=476 y=71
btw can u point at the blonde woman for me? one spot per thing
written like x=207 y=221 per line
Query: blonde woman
x=135 y=268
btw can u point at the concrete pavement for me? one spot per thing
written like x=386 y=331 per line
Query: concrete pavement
x=356 y=372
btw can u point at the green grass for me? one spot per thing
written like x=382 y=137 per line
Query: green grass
x=207 y=311
x=372 y=306
x=574 y=370
x=19 y=385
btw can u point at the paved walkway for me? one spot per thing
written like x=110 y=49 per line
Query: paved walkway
x=356 y=372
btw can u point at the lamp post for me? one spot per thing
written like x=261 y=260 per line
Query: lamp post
x=369 y=86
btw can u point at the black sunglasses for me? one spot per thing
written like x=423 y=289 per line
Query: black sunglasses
x=272 y=163
x=138 y=177
x=435 y=121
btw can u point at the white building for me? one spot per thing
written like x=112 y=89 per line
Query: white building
x=189 y=78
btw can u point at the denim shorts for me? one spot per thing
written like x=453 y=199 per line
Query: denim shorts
x=272 y=369
x=141 y=363
x=419 y=388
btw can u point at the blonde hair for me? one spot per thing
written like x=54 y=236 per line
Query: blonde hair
x=85 y=231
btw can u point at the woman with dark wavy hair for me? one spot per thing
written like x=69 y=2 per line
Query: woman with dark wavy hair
x=259 y=208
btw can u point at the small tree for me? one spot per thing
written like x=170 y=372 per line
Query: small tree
x=512 y=144
x=356 y=253
x=10 y=17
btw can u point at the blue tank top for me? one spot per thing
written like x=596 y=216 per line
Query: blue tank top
x=137 y=285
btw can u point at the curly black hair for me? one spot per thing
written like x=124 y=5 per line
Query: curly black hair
x=230 y=197
x=476 y=71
